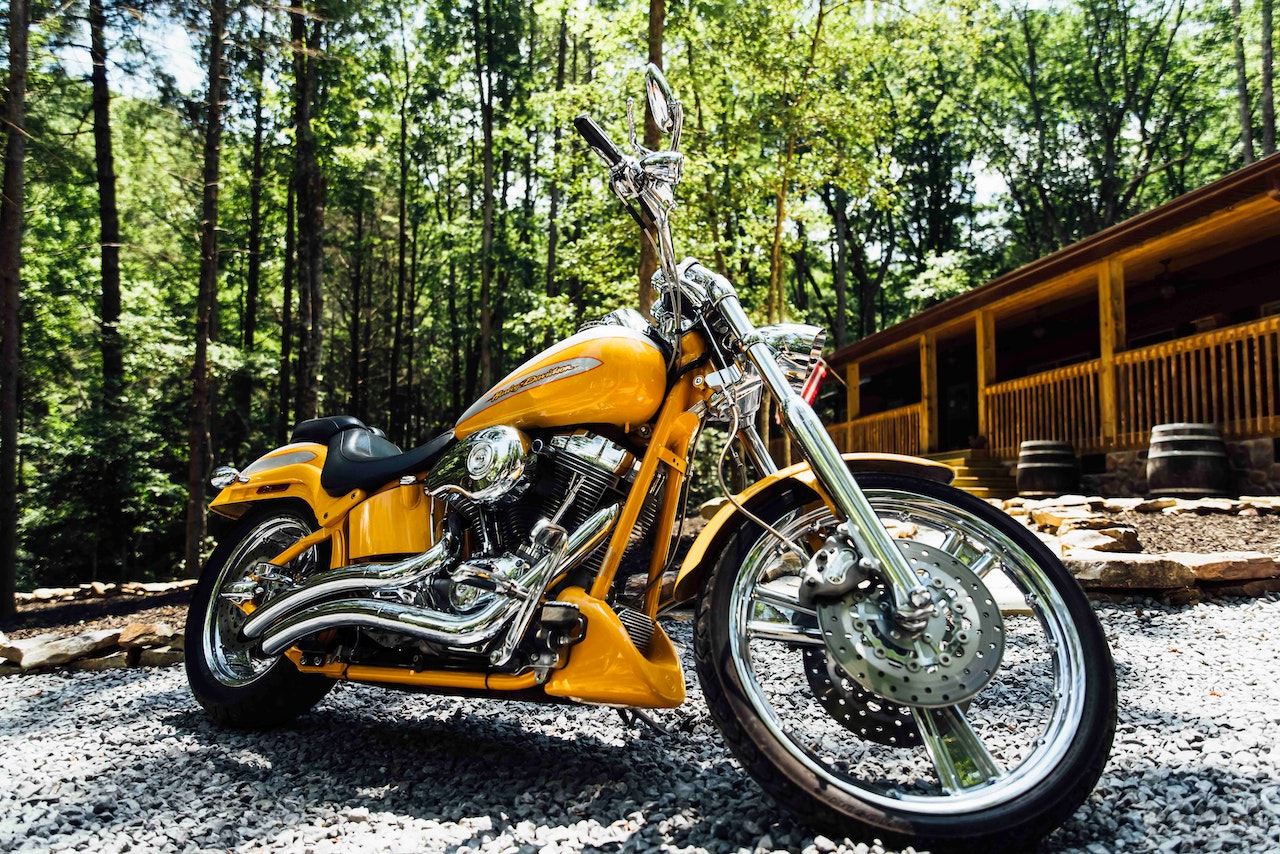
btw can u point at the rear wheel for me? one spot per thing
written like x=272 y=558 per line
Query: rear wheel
x=229 y=676
x=844 y=722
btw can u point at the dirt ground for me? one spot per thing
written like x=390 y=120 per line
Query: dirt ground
x=70 y=618
x=1215 y=532
x=1157 y=533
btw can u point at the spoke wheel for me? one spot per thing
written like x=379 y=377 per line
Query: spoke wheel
x=847 y=748
x=229 y=675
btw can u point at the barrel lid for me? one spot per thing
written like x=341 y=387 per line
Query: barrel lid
x=1185 y=425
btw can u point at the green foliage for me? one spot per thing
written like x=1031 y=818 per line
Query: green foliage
x=921 y=149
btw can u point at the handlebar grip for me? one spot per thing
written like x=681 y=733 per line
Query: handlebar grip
x=597 y=139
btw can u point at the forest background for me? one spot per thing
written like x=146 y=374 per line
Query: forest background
x=380 y=207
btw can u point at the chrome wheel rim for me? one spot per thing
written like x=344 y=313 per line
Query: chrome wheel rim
x=232 y=661
x=991 y=750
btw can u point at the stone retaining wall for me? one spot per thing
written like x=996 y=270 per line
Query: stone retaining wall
x=1254 y=471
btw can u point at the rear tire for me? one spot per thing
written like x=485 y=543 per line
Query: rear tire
x=997 y=771
x=230 y=678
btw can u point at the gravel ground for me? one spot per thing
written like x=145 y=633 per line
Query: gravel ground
x=126 y=761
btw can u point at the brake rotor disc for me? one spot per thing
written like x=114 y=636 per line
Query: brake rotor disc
x=864 y=714
x=950 y=660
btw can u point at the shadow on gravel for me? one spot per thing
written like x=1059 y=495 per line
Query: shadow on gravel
x=473 y=772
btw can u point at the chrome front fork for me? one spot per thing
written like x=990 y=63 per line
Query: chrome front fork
x=878 y=553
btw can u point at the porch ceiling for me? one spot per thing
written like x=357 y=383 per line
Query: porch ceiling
x=1225 y=216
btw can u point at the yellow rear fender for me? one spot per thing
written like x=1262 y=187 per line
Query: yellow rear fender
x=291 y=472
x=711 y=541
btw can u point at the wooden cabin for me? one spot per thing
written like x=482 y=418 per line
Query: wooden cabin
x=1172 y=315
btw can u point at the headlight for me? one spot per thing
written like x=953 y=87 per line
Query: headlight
x=797 y=347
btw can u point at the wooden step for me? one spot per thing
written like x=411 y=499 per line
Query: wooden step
x=984 y=492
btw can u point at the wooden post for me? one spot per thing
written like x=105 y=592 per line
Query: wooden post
x=1111 y=327
x=853 y=403
x=853 y=392
x=928 y=393
x=986 y=347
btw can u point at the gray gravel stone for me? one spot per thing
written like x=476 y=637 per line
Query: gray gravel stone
x=125 y=760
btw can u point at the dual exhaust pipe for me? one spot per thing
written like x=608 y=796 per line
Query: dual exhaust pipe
x=342 y=597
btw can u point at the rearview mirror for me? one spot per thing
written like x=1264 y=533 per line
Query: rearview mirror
x=661 y=98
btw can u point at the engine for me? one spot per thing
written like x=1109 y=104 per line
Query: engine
x=501 y=488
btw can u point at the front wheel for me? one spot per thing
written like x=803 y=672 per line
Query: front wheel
x=229 y=676
x=826 y=706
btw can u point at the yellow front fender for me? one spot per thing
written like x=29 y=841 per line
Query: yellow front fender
x=697 y=562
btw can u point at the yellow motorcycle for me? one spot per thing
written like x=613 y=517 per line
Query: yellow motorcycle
x=885 y=654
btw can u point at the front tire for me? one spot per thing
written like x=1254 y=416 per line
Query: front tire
x=231 y=679
x=1000 y=769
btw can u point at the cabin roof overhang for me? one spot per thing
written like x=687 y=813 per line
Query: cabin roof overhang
x=1239 y=206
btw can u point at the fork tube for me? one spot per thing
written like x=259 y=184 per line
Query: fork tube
x=757 y=449
x=867 y=532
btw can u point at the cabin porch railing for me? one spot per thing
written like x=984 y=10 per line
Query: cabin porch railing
x=1229 y=377
x=896 y=431
x=1060 y=405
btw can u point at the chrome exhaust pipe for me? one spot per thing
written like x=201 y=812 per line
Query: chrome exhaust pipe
x=349 y=580
x=455 y=630
x=460 y=630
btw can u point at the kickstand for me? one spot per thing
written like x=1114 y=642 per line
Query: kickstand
x=637 y=716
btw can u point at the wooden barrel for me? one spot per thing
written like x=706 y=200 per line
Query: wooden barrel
x=1187 y=460
x=1047 y=468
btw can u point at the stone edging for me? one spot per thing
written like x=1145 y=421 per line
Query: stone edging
x=101 y=590
x=1107 y=559
x=136 y=645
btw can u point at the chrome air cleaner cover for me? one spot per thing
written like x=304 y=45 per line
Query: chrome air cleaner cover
x=486 y=466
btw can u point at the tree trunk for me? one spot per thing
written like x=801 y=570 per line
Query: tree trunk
x=1242 y=88
x=10 y=292
x=356 y=392
x=484 y=80
x=553 y=226
x=200 y=405
x=310 y=188
x=713 y=213
x=108 y=216
x=777 y=303
x=114 y=534
x=396 y=427
x=412 y=431
x=1268 y=98
x=249 y=319
x=837 y=206
x=284 y=417
x=236 y=437
x=455 y=341
x=652 y=139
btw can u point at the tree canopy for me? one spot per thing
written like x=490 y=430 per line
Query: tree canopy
x=403 y=214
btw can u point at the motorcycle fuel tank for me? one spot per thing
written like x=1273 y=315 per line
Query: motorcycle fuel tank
x=602 y=375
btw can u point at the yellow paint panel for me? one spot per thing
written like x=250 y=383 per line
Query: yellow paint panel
x=394 y=522
x=607 y=668
x=299 y=477
x=602 y=375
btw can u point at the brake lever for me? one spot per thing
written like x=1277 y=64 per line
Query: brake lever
x=631 y=128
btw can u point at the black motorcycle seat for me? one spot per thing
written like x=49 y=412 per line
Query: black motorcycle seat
x=361 y=459
x=321 y=430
